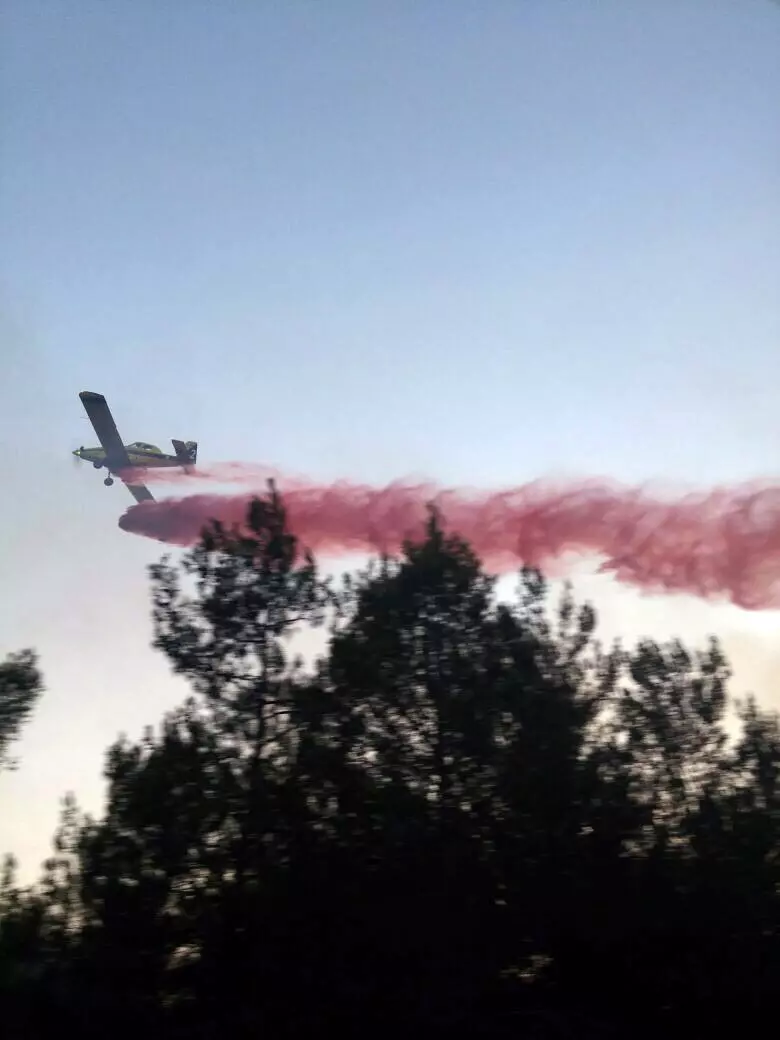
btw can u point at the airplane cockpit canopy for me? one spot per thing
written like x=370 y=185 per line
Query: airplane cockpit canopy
x=145 y=447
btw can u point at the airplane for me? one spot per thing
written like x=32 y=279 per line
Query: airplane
x=115 y=456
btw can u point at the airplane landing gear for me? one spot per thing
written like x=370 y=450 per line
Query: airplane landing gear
x=108 y=481
x=97 y=465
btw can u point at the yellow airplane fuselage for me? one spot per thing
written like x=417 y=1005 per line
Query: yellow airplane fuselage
x=148 y=457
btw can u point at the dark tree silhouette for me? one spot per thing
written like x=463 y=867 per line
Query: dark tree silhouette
x=21 y=685
x=466 y=817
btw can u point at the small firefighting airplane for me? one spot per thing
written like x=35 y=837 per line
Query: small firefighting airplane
x=115 y=456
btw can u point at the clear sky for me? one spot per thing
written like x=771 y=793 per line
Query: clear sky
x=475 y=240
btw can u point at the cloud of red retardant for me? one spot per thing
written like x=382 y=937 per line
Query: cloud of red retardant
x=722 y=543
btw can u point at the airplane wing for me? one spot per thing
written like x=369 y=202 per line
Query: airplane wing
x=105 y=427
x=140 y=492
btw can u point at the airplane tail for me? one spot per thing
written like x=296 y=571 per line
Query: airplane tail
x=186 y=452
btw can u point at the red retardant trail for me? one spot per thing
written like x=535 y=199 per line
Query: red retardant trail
x=723 y=543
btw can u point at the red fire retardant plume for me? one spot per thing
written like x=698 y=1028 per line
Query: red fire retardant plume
x=723 y=543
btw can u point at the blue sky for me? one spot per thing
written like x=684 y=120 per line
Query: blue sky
x=474 y=241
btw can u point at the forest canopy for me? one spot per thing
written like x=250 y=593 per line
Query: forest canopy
x=468 y=815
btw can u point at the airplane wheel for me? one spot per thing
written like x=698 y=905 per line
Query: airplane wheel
x=97 y=465
x=108 y=482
